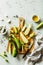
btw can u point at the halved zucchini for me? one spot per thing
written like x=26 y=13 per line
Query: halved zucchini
x=27 y=31
x=32 y=35
x=15 y=30
x=40 y=25
x=24 y=28
x=14 y=51
x=21 y=22
x=23 y=38
x=9 y=47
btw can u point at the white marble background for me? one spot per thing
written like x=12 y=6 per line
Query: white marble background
x=24 y=8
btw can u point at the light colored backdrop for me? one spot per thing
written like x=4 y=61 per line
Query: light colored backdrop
x=24 y=8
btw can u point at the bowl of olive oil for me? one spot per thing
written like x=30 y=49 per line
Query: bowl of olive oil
x=35 y=18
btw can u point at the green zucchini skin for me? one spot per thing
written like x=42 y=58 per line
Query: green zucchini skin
x=13 y=51
x=16 y=41
x=40 y=25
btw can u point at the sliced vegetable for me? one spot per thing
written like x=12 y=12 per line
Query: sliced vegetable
x=4 y=58
x=31 y=49
x=21 y=22
x=23 y=38
x=21 y=42
x=5 y=54
x=27 y=31
x=9 y=47
x=18 y=29
x=16 y=41
x=24 y=28
x=15 y=30
x=40 y=25
x=12 y=30
x=14 y=50
x=30 y=45
x=31 y=35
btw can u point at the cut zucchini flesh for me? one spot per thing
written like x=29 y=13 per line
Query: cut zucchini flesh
x=32 y=34
x=9 y=48
x=15 y=30
x=24 y=28
x=23 y=38
x=27 y=31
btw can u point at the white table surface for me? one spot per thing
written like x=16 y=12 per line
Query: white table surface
x=24 y=8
